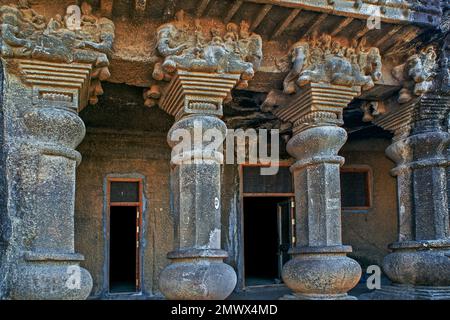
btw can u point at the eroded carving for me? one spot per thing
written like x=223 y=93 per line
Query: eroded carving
x=206 y=47
x=78 y=37
x=327 y=60
x=371 y=110
x=416 y=74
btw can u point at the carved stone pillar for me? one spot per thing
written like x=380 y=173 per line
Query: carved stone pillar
x=319 y=268
x=197 y=270
x=44 y=130
x=326 y=74
x=203 y=67
x=48 y=79
x=419 y=265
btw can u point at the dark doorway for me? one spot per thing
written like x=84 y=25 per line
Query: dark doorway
x=122 y=270
x=268 y=232
x=125 y=205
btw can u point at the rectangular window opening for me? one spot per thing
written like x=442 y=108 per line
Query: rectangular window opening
x=356 y=188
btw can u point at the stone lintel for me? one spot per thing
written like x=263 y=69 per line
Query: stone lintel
x=317 y=103
x=197 y=93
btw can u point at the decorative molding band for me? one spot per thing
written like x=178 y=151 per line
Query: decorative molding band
x=58 y=83
x=317 y=104
x=197 y=92
x=403 y=118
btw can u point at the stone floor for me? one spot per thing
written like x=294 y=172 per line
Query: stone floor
x=274 y=292
x=263 y=292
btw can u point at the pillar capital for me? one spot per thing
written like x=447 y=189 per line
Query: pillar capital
x=213 y=54
x=317 y=104
x=62 y=57
x=426 y=113
x=191 y=92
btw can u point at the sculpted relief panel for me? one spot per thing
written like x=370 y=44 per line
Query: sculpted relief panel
x=417 y=73
x=324 y=59
x=77 y=37
x=204 y=46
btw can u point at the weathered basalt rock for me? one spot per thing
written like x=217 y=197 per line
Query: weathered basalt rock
x=319 y=268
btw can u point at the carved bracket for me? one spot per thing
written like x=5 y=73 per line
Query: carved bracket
x=322 y=59
x=57 y=46
x=204 y=46
x=416 y=74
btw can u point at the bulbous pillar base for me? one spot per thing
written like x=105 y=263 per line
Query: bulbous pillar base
x=197 y=275
x=419 y=270
x=51 y=279
x=324 y=273
x=422 y=263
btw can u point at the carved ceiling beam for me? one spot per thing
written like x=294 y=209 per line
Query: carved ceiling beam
x=233 y=9
x=407 y=35
x=425 y=14
x=316 y=24
x=341 y=26
x=260 y=16
x=361 y=33
x=106 y=8
x=386 y=36
x=202 y=8
x=283 y=25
